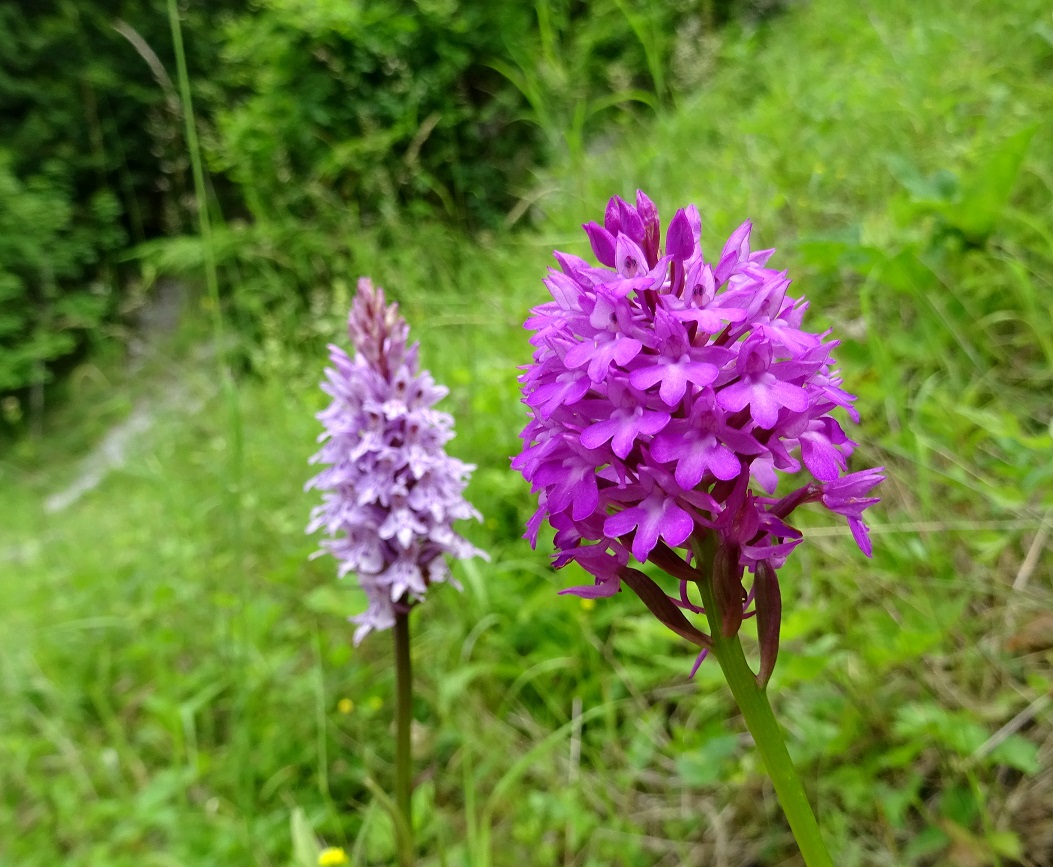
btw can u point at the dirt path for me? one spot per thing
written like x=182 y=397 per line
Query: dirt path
x=157 y=320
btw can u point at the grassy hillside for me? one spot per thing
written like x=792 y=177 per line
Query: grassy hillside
x=176 y=677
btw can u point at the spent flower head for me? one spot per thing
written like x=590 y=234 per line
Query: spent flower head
x=390 y=491
x=668 y=393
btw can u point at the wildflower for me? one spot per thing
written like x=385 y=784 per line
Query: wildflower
x=345 y=706
x=332 y=856
x=668 y=394
x=390 y=491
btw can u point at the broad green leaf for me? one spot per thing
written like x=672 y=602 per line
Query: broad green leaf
x=986 y=191
x=704 y=766
x=1017 y=752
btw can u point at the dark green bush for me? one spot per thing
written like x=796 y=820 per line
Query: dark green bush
x=341 y=116
x=319 y=118
x=92 y=158
x=375 y=106
x=46 y=239
x=434 y=106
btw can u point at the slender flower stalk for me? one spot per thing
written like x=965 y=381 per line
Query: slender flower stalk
x=391 y=493
x=669 y=395
x=403 y=721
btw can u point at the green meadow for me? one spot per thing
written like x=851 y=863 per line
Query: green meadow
x=177 y=680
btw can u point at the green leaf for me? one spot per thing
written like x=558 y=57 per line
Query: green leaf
x=895 y=801
x=987 y=190
x=927 y=842
x=942 y=186
x=455 y=683
x=1017 y=752
x=305 y=846
x=706 y=765
x=960 y=806
x=1006 y=843
x=340 y=600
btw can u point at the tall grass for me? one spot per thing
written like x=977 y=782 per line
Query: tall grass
x=234 y=575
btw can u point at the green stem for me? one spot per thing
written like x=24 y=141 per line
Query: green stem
x=403 y=716
x=760 y=720
x=211 y=275
x=237 y=621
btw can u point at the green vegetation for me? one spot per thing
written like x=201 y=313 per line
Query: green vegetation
x=329 y=113
x=176 y=677
x=91 y=160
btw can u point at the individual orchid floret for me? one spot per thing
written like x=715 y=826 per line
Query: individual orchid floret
x=670 y=397
x=848 y=496
x=391 y=493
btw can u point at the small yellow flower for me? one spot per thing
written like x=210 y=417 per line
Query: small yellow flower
x=588 y=604
x=332 y=856
x=345 y=705
x=376 y=702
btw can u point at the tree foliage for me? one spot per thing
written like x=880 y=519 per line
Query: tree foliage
x=91 y=161
x=318 y=117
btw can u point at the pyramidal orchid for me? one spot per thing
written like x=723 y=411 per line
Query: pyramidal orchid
x=390 y=492
x=670 y=395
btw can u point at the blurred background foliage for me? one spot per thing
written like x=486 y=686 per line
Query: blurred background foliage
x=91 y=162
x=176 y=680
x=343 y=114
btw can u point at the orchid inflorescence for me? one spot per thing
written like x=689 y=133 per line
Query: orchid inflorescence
x=668 y=395
x=391 y=492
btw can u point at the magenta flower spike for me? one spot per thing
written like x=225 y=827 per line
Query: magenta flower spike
x=390 y=492
x=668 y=397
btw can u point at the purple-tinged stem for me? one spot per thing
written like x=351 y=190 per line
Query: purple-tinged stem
x=403 y=717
